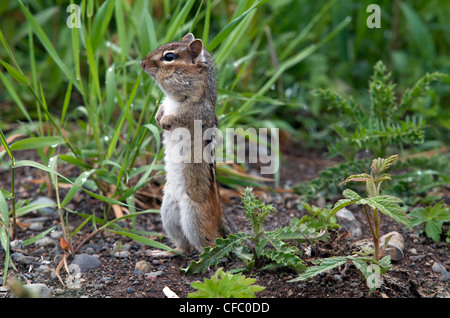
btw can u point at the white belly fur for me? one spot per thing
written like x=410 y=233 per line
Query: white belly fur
x=174 y=181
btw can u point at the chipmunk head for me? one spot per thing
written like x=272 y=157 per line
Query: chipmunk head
x=181 y=69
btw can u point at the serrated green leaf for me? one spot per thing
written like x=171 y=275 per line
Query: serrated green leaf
x=382 y=164
x=388 y=205
x=211 y=255
x=363 y=177
x=323 y=265
x=285 y=257
x=433 y=229
x=350 y=194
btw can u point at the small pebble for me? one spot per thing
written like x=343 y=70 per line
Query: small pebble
x=346 y=218
x=22 y=259
x=437 y=268
x=338 y=277
x=106 y=280
x=143 y=266
x=86 y=262
x=56 y=235
x=44 y=200
x=16 y=245
x=36 y=226
x=122 y=254
x=445 y=276
x=413 y=251
x=45 y=241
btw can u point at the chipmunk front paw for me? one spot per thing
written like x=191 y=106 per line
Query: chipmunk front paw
x=167 y=123
x=159 y=115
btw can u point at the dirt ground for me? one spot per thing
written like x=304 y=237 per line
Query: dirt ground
x=411 y=277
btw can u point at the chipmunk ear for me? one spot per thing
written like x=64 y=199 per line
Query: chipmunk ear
x=195 y=47
x=188 y=38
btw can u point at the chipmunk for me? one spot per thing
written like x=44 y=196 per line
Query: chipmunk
x=191 y=210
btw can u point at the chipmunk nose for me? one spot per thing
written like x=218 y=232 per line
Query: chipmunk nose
x=143 y=64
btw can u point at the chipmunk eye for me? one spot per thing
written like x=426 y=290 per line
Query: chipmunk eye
x=168 y=57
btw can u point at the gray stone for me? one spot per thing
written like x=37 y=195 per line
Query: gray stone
x=45 y=200
x=56 y=235
x=445 y=276
x=348 y=221
x=45 y=241
x=86 y=262
x=22 y=259
x=122 y=254
x=36 y=226
x=16 y=245
x=437 y=267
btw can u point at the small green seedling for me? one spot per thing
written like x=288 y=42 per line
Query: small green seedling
x=226 y=285
x=434 y=218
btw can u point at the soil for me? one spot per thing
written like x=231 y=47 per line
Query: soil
x=410 y=277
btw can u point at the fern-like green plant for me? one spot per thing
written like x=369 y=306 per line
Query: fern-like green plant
x=385 y=122
x=226 y=285
x=259 y=249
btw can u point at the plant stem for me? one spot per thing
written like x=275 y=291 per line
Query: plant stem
x=376 y=238
x=373 y=231
x=13 y=201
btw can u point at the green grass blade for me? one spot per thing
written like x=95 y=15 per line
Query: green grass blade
x=6 y=46
x=223 y=34
x=206 y=23
x=101 y=21
x=77 y=185
x=178 y=21
x=6 y=146
x=112 y=145
x=147 y=35
x=29 y=163
x=419 y=32
x=21 y=211
x=18 y=76
x=124 y=38
x=14 y=95
x=46 y=42
x=36 y=143
x=36 y=238
x=66 y=101
x=92 y=66
x=110 y=85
